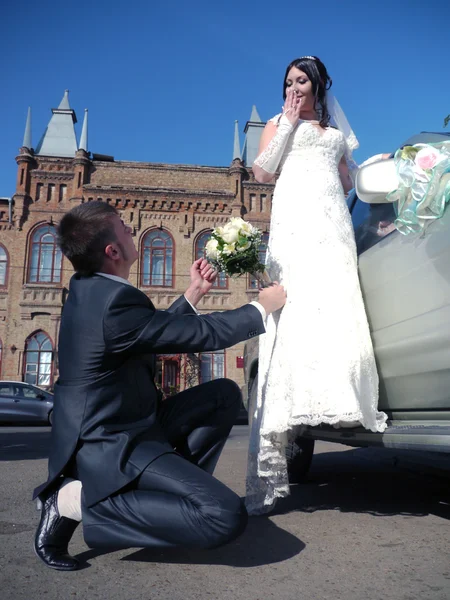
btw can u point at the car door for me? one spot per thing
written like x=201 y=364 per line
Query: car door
x=31 y=403
x=8 y=405
x=405 y=282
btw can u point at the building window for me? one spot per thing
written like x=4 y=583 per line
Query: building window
x=3 y=266
x=62 y=192
x=252 y=282
x=39 y=191
x=38 y=360
x=263 y=203
x=252 y=202
x=157 y=259
x=168 y=374
x=51 y=192
x=200 y=243
x=212 y=365
x=45 y=256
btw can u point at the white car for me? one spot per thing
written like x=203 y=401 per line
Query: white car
x=405 y=282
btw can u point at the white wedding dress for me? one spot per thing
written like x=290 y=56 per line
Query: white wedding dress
x=316 y=362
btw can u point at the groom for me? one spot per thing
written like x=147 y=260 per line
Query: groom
x=136 y=472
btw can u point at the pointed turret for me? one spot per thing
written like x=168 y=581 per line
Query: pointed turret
x=64 y=104
x=59 y=138
x=254 y=117
x=253 y=130
x=237 y=145
x=84 y=132
x=27 y=134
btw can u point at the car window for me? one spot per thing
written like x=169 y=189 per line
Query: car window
x=372 y=223
x=6 y=389
x=27 y=392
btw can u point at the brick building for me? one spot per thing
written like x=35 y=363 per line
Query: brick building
x=171 y=209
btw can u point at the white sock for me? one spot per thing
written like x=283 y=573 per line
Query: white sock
x=69 y=499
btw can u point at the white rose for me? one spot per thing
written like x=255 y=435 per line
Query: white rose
x=230 y=234
x=211 y=248
x=228 y=249
x=219 y=231
x=236 y=222
x=247 y=229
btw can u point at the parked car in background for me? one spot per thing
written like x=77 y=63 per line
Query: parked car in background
x=405 y=283
x=24 y=403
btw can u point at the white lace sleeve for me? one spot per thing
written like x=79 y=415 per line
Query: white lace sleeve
x=270 y=158
x=352 y=166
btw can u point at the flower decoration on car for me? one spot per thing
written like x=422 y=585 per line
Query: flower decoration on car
x=423 y=172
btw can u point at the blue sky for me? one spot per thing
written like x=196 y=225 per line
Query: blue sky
x=164 y=81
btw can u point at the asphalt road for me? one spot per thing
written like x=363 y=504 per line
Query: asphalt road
x=366 y=525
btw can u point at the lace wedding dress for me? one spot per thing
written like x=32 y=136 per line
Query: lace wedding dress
x=316 y=362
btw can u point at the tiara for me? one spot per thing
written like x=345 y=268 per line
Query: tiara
x=310 y=57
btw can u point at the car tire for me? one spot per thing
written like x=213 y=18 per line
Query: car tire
x=299 y=452
x=50 y=418
x=299 y=455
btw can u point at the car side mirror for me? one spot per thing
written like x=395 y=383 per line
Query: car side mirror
x=376 y=180
x=41 y=396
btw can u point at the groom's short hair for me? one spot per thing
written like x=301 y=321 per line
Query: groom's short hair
x=83 y=234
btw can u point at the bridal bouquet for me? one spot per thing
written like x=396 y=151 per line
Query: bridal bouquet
x=234 y=249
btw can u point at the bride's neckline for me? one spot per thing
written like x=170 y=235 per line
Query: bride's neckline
x=312 y=121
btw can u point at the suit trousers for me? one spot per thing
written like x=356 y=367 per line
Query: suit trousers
x=176 y=501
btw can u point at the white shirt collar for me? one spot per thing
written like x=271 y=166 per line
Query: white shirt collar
x=115 y=278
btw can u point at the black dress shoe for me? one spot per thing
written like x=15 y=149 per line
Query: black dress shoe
x=53 y=536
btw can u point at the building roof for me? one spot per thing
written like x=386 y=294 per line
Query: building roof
x=59 y=138
x=27 y=134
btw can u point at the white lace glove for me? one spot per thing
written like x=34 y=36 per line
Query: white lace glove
x=270 y=158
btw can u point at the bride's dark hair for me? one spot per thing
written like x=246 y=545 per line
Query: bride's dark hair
x=320 y=80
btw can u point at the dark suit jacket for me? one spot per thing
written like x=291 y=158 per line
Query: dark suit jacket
x=105 y=400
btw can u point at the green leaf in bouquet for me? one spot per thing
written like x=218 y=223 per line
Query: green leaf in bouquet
x=408 y=152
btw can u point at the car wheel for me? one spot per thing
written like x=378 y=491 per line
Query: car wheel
x=299 y=452
x=299 y=455
x=50 y=418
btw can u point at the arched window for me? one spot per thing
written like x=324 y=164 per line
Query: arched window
x=45 y=257
x=200 y=243
x=3 y=266
x=38 y=360
x=157 y=259
x=252 y=282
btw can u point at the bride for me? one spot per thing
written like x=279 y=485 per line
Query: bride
x=316 y=361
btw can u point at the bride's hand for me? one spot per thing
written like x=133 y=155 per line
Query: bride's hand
x=292 y=106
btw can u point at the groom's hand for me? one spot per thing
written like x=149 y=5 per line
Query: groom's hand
x=202 y=278
x=272 y=298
